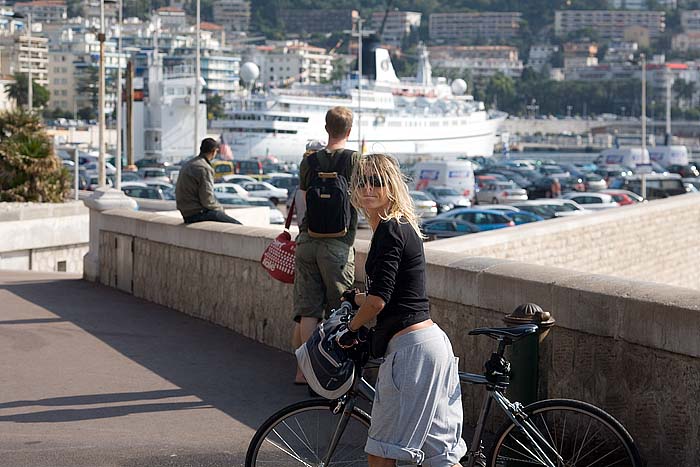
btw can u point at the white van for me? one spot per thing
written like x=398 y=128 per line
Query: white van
x=669 y=155
x=628 y=157
x=454 y=174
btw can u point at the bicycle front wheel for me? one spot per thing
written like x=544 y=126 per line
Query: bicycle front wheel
x=300 y=435
x=575 y=434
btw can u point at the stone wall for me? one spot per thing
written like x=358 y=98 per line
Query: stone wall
x=650 y=242
x=43 y=237
x=631 y=347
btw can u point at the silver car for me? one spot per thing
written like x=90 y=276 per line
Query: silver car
x=447 y=198
x=425 y=207
x=498 y=192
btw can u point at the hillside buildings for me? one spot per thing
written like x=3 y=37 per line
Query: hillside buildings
x=612 y=24
x=481 y=62
x=286 y=62
x=398 y=25
x=472 y=27
x=43 y=11
x=318 y=21
x=233 y=15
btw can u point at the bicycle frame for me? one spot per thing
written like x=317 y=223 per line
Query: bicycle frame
x=494 y=393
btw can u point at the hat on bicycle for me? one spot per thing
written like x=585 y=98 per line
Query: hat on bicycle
x=329 y=369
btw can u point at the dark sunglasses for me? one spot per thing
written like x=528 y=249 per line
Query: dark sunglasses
x=373 y=181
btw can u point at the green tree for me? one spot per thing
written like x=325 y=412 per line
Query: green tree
x=19 y=91
x=215 y=107
x=500 y=91
x=29 y=168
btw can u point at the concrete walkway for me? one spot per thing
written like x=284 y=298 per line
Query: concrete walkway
x=94 y=377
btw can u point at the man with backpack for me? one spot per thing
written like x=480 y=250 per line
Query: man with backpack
x=325 y=259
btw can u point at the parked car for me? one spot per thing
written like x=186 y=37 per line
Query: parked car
x=484 y=219
x=685 y=171
x=551 y=208
x=624 y=197
x=238 y=179
x=222 y=169
x=143 y=191
x=499 y=207
x=154 y=173
x=231 y=188
x=287 y=181
x=522 y=217
x=595 y=201
x=439 y=228
x=447 y=198
x=423 y=204
x=500 y=193
x=658 y=186
x=266 y=190
x=131 y=177
x=594 y=182
x=234 y=199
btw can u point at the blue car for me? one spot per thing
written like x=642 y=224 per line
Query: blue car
x=438 y=228
x=484 y=219
x=522 y=217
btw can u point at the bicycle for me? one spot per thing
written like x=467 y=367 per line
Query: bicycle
x=551 y=433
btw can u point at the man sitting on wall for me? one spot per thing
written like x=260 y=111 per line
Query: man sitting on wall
x=194 y=192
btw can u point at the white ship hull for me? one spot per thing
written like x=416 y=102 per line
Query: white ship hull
x=403 y=136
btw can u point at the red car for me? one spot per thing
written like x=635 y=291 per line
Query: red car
x=623 y=197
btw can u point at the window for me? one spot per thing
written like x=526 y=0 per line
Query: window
x=459 y=227
x=442 y=226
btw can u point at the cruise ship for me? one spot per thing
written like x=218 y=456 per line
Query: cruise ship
x=421 y=117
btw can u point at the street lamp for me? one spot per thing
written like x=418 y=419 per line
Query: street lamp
x=101 y=178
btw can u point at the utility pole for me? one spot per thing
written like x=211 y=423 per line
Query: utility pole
x=669 y=82
x=130 y=113
x=359 y=85
x=118 y=157
x=645 y=160
x=196 y=83
x=101 y=179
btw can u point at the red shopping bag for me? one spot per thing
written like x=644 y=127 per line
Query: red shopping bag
x=278 y=257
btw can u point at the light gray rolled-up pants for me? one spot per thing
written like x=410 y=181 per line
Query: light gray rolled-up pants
x=417 y=410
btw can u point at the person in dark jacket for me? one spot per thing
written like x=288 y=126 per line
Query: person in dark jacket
x=194 y=192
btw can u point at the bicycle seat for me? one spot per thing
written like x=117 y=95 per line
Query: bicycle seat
x=513 y=333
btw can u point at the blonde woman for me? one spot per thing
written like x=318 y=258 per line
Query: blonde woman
x=417 y=410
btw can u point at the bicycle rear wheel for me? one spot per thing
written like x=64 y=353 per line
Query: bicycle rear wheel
x=299 y=435
x=578 y=435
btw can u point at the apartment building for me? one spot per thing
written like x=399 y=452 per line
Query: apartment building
x=19 y=53
x=220 y=72
x=580 y=55
x=43 y=11
x=686 y=41
x=609 y=24
x=481 y=62
x=171 y=18
x=690 y=20
x=73 y=69
x=287 y=62
x=318 y=21
x=233 y=15
x=540 y=56
x=470 y=27
x=621 y=52
x=218 y=33
x=91 y=11
x=397 y=26
x=641 y=4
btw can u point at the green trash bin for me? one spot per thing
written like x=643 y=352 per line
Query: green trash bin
x=524 y=355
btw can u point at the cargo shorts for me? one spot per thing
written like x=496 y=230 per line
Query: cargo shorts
x=324 y=269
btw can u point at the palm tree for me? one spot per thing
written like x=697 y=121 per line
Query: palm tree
x=18 y=91
x=29 y=168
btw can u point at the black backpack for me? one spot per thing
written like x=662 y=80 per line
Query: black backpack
x=328 y=208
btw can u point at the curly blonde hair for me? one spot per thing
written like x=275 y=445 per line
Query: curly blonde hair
x=386 y=168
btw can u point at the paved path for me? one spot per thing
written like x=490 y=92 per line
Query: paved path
x=94 y=377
